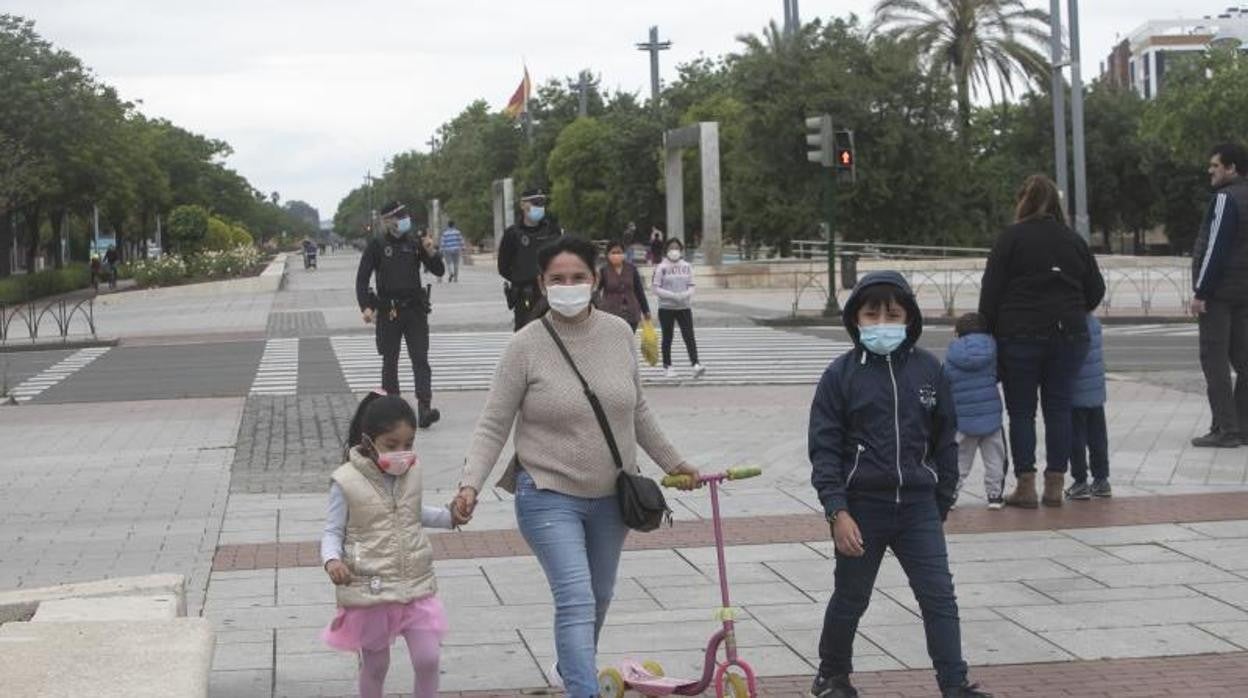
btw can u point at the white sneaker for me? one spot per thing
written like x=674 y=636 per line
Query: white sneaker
x=698 y=370
x=554 y=679
x=670 y=372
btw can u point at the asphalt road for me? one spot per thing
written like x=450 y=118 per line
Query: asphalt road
x=227 y=369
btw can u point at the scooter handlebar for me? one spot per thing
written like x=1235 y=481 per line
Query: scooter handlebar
x=737 y=473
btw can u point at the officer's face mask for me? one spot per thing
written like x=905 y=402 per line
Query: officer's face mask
x=536 y=213
x=569 y=301
x=403 y=226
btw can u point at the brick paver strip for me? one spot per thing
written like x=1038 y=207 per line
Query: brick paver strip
x=791 y=528
x=1205 y=675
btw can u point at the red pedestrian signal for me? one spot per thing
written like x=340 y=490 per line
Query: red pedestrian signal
x=845 y=166
x=845 y=158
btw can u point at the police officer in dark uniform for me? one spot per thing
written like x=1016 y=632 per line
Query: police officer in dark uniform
x=517 y=254
x=401 y=305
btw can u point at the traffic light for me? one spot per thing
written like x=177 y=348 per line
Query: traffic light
x=819 y=136
x=845 y=162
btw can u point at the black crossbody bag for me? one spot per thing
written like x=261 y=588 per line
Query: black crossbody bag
x=642 y=505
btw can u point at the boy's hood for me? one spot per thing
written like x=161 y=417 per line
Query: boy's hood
x=973 y=352
x=914 y=326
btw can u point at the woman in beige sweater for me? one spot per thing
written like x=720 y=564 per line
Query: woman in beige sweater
x=563 y=476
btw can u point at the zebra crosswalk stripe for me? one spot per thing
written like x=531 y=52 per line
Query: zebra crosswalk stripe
x=32 y=387
x=1161 y=330
x=732 y=356
x=278 y=373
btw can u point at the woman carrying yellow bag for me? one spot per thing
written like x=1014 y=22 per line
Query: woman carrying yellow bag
x=620 y=290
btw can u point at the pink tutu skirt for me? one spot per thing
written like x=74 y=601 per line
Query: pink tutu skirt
x=375 y=627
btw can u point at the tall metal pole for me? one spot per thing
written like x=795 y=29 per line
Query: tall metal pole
x=1059 y=100
x=368 y=182
x=1082 y=225
x=788 y=16
x=832 y=308
x=797 y=16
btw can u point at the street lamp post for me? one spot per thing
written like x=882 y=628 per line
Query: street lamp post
x=1059 y=97
x=1082 y=225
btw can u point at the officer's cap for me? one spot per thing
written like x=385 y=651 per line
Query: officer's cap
x=534 y=193
x=392 y=209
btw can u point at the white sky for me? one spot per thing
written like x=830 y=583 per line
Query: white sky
x=312 y=93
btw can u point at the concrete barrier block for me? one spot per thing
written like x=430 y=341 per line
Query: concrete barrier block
x=20 y=604
x=108 y=608
x=133 y=659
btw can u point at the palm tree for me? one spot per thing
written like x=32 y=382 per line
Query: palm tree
x=976 y=42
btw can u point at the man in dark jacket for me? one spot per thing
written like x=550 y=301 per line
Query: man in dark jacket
x=1220 y=297
x=517 y=255
x=400 y=306
x=885 y=466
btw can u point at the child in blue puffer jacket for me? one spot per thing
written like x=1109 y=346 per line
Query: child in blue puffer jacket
x=971 y=365
x=1090 y=434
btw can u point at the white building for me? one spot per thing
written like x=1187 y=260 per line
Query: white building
x=1142 y=59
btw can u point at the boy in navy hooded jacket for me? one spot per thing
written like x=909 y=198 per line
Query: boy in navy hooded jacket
x=885 y=466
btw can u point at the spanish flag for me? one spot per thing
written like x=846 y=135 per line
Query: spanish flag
x=518 y=105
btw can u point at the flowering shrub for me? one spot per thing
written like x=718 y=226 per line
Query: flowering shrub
x=171 y=270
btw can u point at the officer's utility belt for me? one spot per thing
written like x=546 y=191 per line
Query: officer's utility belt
x=400 y=303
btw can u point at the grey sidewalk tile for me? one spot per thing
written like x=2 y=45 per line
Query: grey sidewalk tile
x=661 y=637
x=1221 y=529
x=473 y=637
x=1122 y=614
x=1064 y=584
x=269 y=574
x=983 y=642
x=1159 y=574
x=772 y=660
x=243 y=655
x=883 y=610
x=1154 y=641
x=1024 y=549
x=341 y=688
x=276 y=617
x=749 y=553
x=1234 y=593
x=469 y=592
x=1234 y=632
x=1122 y=594
x=299 y=594
x=534 y=616
x=489 y=666
x=240 y=684
x=1145 y=553
x=214 y=606
x=247 y=537
x=1007 y=571
x=741 y=573
x=1227 y=553
x=323 y=666
x=988 y=595
x=813 y=576
x=239 y=588
x=1124 y=535
x=706 y=596
x=231 y=637
x=301 y=576
x=300 y=641
x=636 y=616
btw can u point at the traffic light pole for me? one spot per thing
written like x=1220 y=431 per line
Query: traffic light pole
x=833 y=307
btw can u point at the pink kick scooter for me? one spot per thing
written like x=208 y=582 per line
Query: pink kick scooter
x=647 y=678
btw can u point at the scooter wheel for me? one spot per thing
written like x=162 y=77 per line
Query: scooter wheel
x=736 y=687
x=653 y=667
x=610 y=683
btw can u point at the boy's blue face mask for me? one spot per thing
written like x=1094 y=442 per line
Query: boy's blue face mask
x=882 y=339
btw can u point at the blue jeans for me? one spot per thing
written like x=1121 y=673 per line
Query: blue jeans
x=1089 y=438
x=914 y=533
x=1048 y=365
x=578 y=543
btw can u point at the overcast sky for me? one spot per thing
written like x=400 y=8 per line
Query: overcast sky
x=313 y=93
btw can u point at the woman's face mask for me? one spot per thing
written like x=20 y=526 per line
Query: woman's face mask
x=571 y=300
x=675 y=254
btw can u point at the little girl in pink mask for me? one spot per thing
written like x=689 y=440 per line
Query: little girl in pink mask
x=375 y=550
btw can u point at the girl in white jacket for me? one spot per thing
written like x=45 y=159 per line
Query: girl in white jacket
x=673 y=284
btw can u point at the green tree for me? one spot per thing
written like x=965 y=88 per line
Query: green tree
x=578 y=170
x=975 y=42
x=188 y=228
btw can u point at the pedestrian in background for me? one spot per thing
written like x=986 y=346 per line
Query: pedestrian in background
x=673 y=284
x=1220 y=297
x=1089 y=431
x=452 y=246
x=375 y=550
x=620 y=289
x=517 y=256
x=1039 y=285
x=656 y=245
x=971 y=365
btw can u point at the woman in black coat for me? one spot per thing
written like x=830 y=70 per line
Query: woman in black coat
x=1040 y=283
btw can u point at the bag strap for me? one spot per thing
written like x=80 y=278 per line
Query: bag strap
x=589 y=394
